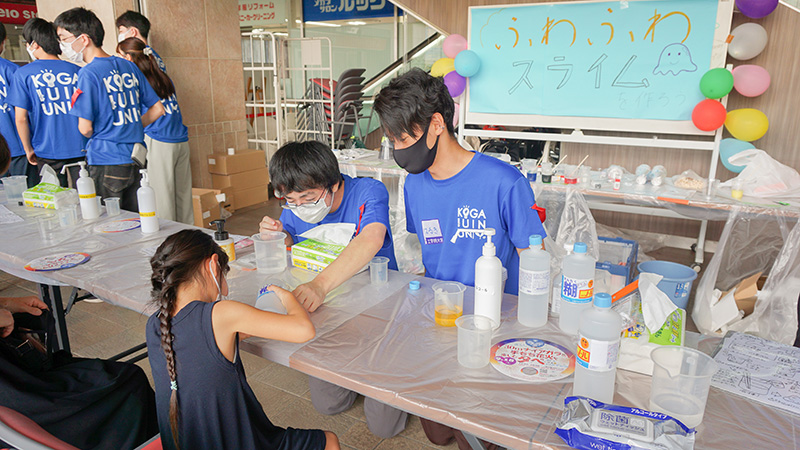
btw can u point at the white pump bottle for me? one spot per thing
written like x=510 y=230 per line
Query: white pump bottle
x=147 y=205
x=489 y=281
x=90 y=207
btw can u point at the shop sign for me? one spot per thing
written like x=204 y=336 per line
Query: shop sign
x=325 y=10
x=259 y=13
x=15 y=13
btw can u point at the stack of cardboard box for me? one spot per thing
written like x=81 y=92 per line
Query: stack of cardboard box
x=241 y=175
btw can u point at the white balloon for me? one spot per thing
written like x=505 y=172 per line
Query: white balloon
x=749 y=40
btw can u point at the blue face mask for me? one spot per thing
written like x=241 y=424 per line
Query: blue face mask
x=417 y=157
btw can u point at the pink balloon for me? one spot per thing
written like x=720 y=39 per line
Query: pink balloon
x=455 y=83
x=750 y=80
x=453 y=44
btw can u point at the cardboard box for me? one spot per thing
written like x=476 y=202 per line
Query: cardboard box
x=314 y=255
x=251 y=196
x=230 y=199
x=241 y=161
x=242 y=180
x=206 y=206
x=43 y=195
x=746 y=293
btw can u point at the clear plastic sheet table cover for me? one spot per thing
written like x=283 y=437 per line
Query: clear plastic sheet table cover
x=395 y=353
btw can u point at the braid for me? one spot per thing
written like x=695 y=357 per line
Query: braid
x=164 y=315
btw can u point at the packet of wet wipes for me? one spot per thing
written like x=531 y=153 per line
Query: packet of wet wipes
x=592 y=425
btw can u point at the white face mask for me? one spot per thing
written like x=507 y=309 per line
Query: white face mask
x=312 y=212
x=30 y=52
x=219 y=288
x=122 y=36
x=70 y=54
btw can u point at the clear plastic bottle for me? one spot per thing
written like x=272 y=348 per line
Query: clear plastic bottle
x=598 y=351
x=534 y=284
x=577 y=283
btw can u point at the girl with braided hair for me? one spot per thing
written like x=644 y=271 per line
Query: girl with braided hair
x=202 y=396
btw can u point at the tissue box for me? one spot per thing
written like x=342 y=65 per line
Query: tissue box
x=314 y=255
x=42 y=195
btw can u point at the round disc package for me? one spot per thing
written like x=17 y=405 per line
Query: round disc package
x=533 y=360
x=57 y=262
x=118 y=226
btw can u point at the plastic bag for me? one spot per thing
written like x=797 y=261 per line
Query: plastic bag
x=764 y=176
x=689 y=179
x=750 y=244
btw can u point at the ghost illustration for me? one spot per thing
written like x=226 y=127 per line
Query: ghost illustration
x=675 y=58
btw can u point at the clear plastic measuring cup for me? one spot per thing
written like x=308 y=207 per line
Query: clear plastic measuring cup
x=448 y=302
x=14 y=187
x=270 y=251
x=681 y=378
x=474 y=340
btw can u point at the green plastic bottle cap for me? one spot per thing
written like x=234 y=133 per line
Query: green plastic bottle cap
x=535 y=240
x=602 y=300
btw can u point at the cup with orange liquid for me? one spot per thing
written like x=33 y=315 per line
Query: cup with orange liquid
x=449 y=302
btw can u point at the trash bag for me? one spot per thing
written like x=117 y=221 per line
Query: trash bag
x=752 y=243
x=764 y=176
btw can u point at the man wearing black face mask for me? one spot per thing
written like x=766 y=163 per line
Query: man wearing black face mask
x=451 y=191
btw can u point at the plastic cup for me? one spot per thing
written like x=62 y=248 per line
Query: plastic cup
x=379 y=270
x=449 y=302
x=14 y=187
x=270 y=251
x=474 y=340
x=47 y=227
x=681 y=378
x=68 y=215
x=112 y=206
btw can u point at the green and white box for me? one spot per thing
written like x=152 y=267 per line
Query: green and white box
x=314 y=255
x=43 y=195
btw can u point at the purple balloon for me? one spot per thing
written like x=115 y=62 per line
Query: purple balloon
x=756 y=9
x=455 y=83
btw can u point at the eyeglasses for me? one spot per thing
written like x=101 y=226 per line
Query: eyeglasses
x=292 y=206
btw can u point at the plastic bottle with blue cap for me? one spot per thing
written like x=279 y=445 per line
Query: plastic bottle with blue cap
x=534 y=284
x=577 y=287
x=598 y=351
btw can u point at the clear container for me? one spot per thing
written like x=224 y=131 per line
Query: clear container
x=577 y=284
x=68 y=215
x=598 y=351
x=14 y=187
x=448 y=297
x=681 y=378
x=474 y=340
x=112 y=206
x=48 y=226
x=534 y=284
x=379 y=270
x=270 y=251
x=585 y=176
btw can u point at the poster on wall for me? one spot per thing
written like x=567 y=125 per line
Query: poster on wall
x=325 y=10
x=16 y=13
x=261 y=13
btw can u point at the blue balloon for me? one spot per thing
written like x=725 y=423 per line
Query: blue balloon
x=467 y=63
x=729 y=147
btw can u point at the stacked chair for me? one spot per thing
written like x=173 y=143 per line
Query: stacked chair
x=317 y=117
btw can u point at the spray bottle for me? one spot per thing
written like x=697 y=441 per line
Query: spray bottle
x=224 y=240
x=90 y=206
x=147 y=205
x=488 y=281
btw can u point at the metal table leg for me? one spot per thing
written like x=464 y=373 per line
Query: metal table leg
x=51 y=296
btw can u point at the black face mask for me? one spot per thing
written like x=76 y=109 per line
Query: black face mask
x=417 y=157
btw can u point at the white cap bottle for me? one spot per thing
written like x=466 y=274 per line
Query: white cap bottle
x=488 y=281
x=90 y=207
x=147 y=205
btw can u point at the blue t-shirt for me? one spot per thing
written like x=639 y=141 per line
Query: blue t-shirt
x=8 y=125
x=169 y=127
x=44 y=88
x=159 y=61
x=365 y=201
x=487 y=193
x=111 y=92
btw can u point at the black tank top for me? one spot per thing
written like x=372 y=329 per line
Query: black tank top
x=217 y=408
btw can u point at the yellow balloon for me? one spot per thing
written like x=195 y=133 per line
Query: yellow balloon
x=442 y=67
x=747 y=124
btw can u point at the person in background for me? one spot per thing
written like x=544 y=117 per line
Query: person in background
x=167 y=140
x=19 y=163
x=131 y=24
x=306 y=175
x=110 y=97
x=202 y=395
x=450 y=189
x=5 y=156
x=42 y=94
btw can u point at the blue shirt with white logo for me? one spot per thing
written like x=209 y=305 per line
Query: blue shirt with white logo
x=159 y=61
x=8 y=125
x=365 y=201
x=111 y=92
x=44 y=88
x=487 y=193
x=169 y=127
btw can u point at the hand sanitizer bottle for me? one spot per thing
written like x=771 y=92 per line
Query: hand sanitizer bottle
x=223 y=239
x=90 y=208
x=147 y=205
x=489 y=281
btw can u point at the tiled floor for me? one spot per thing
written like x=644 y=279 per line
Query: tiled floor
x=101 y=330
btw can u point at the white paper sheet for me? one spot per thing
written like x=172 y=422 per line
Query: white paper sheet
x=6 y=216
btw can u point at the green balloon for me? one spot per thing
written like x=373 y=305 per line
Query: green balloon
x=716 y=83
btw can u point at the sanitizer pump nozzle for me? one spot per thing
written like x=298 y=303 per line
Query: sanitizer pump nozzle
x=488 y=280
x=223 y=239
